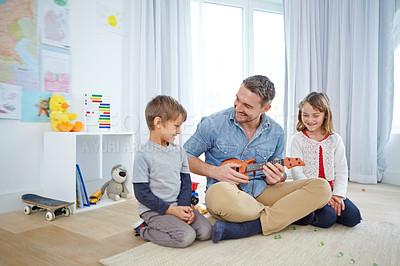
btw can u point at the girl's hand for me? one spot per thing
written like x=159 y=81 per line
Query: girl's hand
x=337 y=203
x=185 y=213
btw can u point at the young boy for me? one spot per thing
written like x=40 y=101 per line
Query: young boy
x=162 y=183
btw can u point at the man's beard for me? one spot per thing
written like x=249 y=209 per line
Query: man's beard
x=246 y=120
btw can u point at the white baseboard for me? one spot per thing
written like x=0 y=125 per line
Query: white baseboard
x=12 y=201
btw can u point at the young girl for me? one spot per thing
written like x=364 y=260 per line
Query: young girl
x=323 y=152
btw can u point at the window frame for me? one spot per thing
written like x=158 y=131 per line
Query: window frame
x=248 y=6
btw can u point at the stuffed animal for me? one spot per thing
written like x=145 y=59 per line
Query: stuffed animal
x=116 y=187
x=59 y=118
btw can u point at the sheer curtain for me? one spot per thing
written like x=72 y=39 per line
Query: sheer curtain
x=160 y=57
x=344 y=48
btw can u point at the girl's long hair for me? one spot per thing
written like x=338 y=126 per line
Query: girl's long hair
x=319 y=101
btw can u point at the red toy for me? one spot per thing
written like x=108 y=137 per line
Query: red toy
x=195 y=195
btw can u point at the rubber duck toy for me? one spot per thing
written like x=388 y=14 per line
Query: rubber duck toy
x=59 y=118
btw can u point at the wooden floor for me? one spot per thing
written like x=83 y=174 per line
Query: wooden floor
x=86 y=237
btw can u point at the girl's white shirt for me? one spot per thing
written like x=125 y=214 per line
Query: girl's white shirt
x=334 y=159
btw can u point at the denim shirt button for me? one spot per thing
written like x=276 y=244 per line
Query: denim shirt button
x=225 y=152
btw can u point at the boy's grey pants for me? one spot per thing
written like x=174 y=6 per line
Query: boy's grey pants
x=170 y=231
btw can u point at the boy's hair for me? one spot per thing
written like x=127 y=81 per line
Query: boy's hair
x=165 y=107
x=262 y=86
x=319 y=101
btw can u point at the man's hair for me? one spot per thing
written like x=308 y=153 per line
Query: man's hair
x=262 y=86
x=165 y=107
x=319 y=101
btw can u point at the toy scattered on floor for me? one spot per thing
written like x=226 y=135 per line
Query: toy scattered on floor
x=278 y=237
x=294 y=228
x=194 y=196
x=59 y=118
x=116 y=187
x=315 y=229
x=352 y=261
x=321 y=243
x=340 y=254
x=201 y=208
x=95 y=197
x=194 y=200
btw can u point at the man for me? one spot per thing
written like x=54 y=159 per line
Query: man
x=249 y=204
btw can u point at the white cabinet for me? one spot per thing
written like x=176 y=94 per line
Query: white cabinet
x=95 y=153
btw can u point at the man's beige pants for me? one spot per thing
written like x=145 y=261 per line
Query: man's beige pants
x=277 y=206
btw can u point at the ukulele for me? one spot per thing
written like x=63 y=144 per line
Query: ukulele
x=251 y=165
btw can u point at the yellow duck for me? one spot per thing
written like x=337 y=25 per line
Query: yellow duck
x=59 y=118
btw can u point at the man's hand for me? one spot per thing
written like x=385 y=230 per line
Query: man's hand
x=337 y=203
x=274 y=173
x=225 y=173
x=221 y=173
x=185 y=213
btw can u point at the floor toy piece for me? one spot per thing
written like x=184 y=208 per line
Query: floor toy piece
x=54 y=207
x=194 y=196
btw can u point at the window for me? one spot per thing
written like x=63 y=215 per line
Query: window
x=232 y=40
x=221 y=56
x=269 y=59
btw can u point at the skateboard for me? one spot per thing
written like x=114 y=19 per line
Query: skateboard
x=54 y=207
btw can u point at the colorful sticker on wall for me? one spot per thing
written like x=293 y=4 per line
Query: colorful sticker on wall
x=54 y=23
x=35 y=106
x=97 y=110
x=10 y=101
x=110 y=19
x=55 y=70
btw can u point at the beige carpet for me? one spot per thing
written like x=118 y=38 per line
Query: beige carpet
x=367 y=243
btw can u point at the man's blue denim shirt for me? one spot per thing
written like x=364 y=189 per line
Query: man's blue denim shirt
x=221 y=137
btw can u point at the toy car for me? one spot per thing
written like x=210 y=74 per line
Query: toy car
x=195 y=196
x=95 y=197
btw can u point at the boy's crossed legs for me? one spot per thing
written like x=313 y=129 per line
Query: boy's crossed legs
x=170 y=231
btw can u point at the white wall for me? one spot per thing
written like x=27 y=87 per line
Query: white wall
x=99 y=64
x=392 y=155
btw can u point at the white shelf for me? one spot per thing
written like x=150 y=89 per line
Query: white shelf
x=105 y=201
x=96 y=154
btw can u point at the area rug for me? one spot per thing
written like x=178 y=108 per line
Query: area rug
x=365 y=244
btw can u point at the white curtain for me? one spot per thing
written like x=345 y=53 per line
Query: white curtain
x=160 y=57
x=344 y=48
x=396 y=26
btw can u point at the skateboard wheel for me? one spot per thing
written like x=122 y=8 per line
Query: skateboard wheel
x=67 y=211
x=50 y=216
x=27 y=210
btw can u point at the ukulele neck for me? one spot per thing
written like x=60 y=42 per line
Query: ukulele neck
x=259 y=166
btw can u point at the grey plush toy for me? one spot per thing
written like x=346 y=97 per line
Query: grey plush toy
x=116 y=187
